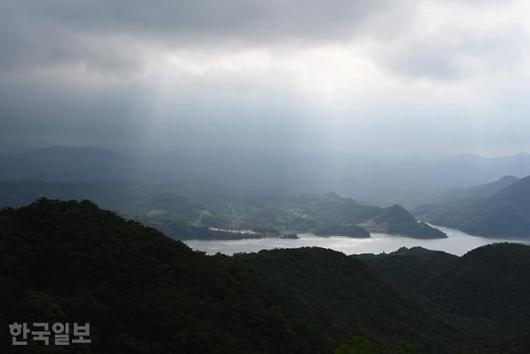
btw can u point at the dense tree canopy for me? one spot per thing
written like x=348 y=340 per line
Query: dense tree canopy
x=143 y=292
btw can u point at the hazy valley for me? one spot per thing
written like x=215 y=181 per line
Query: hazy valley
x=264 y=177
x=73 y=260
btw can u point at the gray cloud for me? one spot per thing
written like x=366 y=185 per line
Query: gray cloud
x=363 y=76
x=226 y=18
x=108 y=33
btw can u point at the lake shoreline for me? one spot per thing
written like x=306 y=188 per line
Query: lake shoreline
x=457 y=243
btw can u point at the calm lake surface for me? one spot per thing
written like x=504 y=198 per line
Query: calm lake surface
x=458 y=243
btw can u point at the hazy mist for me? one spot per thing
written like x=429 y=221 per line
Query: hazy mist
x=362 y=77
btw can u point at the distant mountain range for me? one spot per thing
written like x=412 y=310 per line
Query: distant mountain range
x=383 y=182
x=326 y=214
x=67 y=164
x=142 y=292
x=248 y=180
x=498 y=209
x=228 y=217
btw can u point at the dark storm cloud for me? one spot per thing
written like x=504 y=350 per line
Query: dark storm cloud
x=366 y=76
x=236 y=18
x=105 y=33
x=128 y=116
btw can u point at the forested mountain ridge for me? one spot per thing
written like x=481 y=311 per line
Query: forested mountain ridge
x=325 y=214
x=398 y=221
x=499 y=209
x=144 y=293
x=489 y=285
x=466 y=195
x=196 y=216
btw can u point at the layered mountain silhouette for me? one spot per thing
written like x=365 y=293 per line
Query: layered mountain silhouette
x=67 y=164
x=211 y=216
x=143 y=292
x=489 y=284
x=498 y=209
x=383 y=182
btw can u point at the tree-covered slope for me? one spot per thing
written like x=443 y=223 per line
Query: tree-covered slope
x=489 y=286
x=397 y=220
x=329 y=214
x=145 y=293
x=492 y=212
x=181 y=216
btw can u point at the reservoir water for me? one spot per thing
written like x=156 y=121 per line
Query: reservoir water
x=457 y=243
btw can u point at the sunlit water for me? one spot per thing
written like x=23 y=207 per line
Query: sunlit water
x=458 y=243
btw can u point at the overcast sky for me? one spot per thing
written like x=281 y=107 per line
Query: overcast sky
x=367 y=77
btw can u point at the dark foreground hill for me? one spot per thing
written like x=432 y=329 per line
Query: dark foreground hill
x=489 y=285
x=498 y=209
x=145 y=293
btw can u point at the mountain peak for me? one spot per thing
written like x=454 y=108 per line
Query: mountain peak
x=508 y=178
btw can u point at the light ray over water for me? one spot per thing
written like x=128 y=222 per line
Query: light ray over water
x=457 y=243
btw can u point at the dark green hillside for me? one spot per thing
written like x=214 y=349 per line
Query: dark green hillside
x=489 y=285
x=504 y=213
x=462 y=196
x=145 y=293
x=397 y=220
x=178 y=208
x=328 y=214
x=183 y=216
x=115 y=195
x=178 y=216
x=414 y=268
x=495 y=277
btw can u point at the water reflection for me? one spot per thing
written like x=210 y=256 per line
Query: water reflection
x=457 y=243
